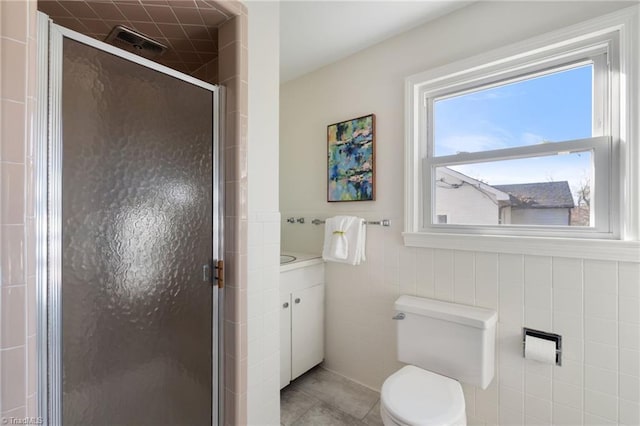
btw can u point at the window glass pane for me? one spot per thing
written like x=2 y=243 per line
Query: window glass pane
x=550 y=191
x=549 y=108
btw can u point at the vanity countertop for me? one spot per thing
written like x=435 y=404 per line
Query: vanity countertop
x=302 y=260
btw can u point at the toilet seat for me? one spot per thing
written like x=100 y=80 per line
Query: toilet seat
x=415 y=397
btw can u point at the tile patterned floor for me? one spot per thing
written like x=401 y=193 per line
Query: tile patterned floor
x=322 y=398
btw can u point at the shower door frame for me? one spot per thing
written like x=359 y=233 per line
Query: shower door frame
x=48 y=215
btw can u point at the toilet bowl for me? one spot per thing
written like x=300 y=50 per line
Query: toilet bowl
x=443 y=344
x=415 y=397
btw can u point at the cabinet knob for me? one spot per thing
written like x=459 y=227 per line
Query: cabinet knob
x=297 y=300
x=285 y=305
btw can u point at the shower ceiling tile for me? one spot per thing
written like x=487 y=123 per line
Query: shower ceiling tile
x=79 y=9
x=196 y=32
x=212 y=18
x=205 y=46
x=190 y=57
x=54 y=9
x=173 y=31
x=192 y=67
x=96 y=26
x=207 y=57
x=71 y=23
x=134 y=12
x=188 y=15
x=182 y=25
x=107 y=11
x=177 y=65
x=203 y=5
x=162 y=14
x=181 y=45
x=157 y=2
x=148 y=28
x=183 y=3
x=170 y=55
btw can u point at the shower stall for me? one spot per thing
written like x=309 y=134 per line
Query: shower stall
x=130 y=238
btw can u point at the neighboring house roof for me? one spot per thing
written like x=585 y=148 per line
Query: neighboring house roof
x=539 y=195
x=494 y=190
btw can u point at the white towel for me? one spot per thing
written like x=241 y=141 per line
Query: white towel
x=339 y=244
x=344 y=240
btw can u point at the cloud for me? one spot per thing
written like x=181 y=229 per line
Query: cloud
x=527 y=138
x=495 y=138
x=571 y=167
x=488 y=95
x=469 y=143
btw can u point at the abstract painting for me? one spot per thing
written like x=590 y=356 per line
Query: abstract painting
x=351 y=160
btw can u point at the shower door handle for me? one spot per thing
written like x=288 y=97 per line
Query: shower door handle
x=206 y=273
x=219 y=267
x=219 y=276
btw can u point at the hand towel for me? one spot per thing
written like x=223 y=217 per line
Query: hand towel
x=339 y=244
x=344 y=240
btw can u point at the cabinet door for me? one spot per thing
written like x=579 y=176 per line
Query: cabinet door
x=285 y=339
x=307 y=329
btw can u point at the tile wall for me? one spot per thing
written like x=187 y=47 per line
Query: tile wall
x=17 y=297
x=593 y=304
x=263 y=375
x=583 y=300
x=230 y=70
x=17 y=286
x=263 y=261
x=232 y=74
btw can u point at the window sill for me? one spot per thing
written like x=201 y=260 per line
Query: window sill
x=623 y=251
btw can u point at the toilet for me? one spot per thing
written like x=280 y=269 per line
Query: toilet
x=443 y=344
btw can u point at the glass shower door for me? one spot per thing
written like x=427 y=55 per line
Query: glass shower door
x=137 y=231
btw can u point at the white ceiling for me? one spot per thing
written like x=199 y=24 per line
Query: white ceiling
x=314 y=33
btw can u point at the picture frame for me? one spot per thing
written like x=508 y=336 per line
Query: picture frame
x=351 y=160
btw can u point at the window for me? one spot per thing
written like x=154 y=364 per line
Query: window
x=527 y=146
x=521 y=152
x=529 y=140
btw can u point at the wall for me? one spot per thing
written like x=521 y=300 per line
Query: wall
x=549 y=216
x=593 y=304
x=232 y=74
x=17 y=286
x=463 y=202
x=263 y=262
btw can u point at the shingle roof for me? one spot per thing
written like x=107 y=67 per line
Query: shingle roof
x=539 y=195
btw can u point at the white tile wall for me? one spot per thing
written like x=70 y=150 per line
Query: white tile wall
x=594 y=305
x=263 y=319
x=263 y=234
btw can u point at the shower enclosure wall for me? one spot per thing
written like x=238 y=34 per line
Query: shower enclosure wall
x=130 y=239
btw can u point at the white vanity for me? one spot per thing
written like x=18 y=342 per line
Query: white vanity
x=301 y=314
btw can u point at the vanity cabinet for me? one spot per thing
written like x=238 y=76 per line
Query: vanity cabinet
x=285 y=339
x=301 y=321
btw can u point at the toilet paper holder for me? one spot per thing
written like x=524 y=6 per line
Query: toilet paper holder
x=556 y=338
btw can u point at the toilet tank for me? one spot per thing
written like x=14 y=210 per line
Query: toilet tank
x=454 y=340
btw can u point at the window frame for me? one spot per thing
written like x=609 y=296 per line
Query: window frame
x=603 y=153
x=615 y=35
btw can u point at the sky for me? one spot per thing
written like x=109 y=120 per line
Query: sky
x=553 y=107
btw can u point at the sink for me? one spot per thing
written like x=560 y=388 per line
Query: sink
x=285 y=258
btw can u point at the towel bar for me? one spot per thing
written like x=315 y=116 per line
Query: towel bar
x=383 y=222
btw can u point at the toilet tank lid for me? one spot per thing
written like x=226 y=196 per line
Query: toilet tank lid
x=472 y=316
